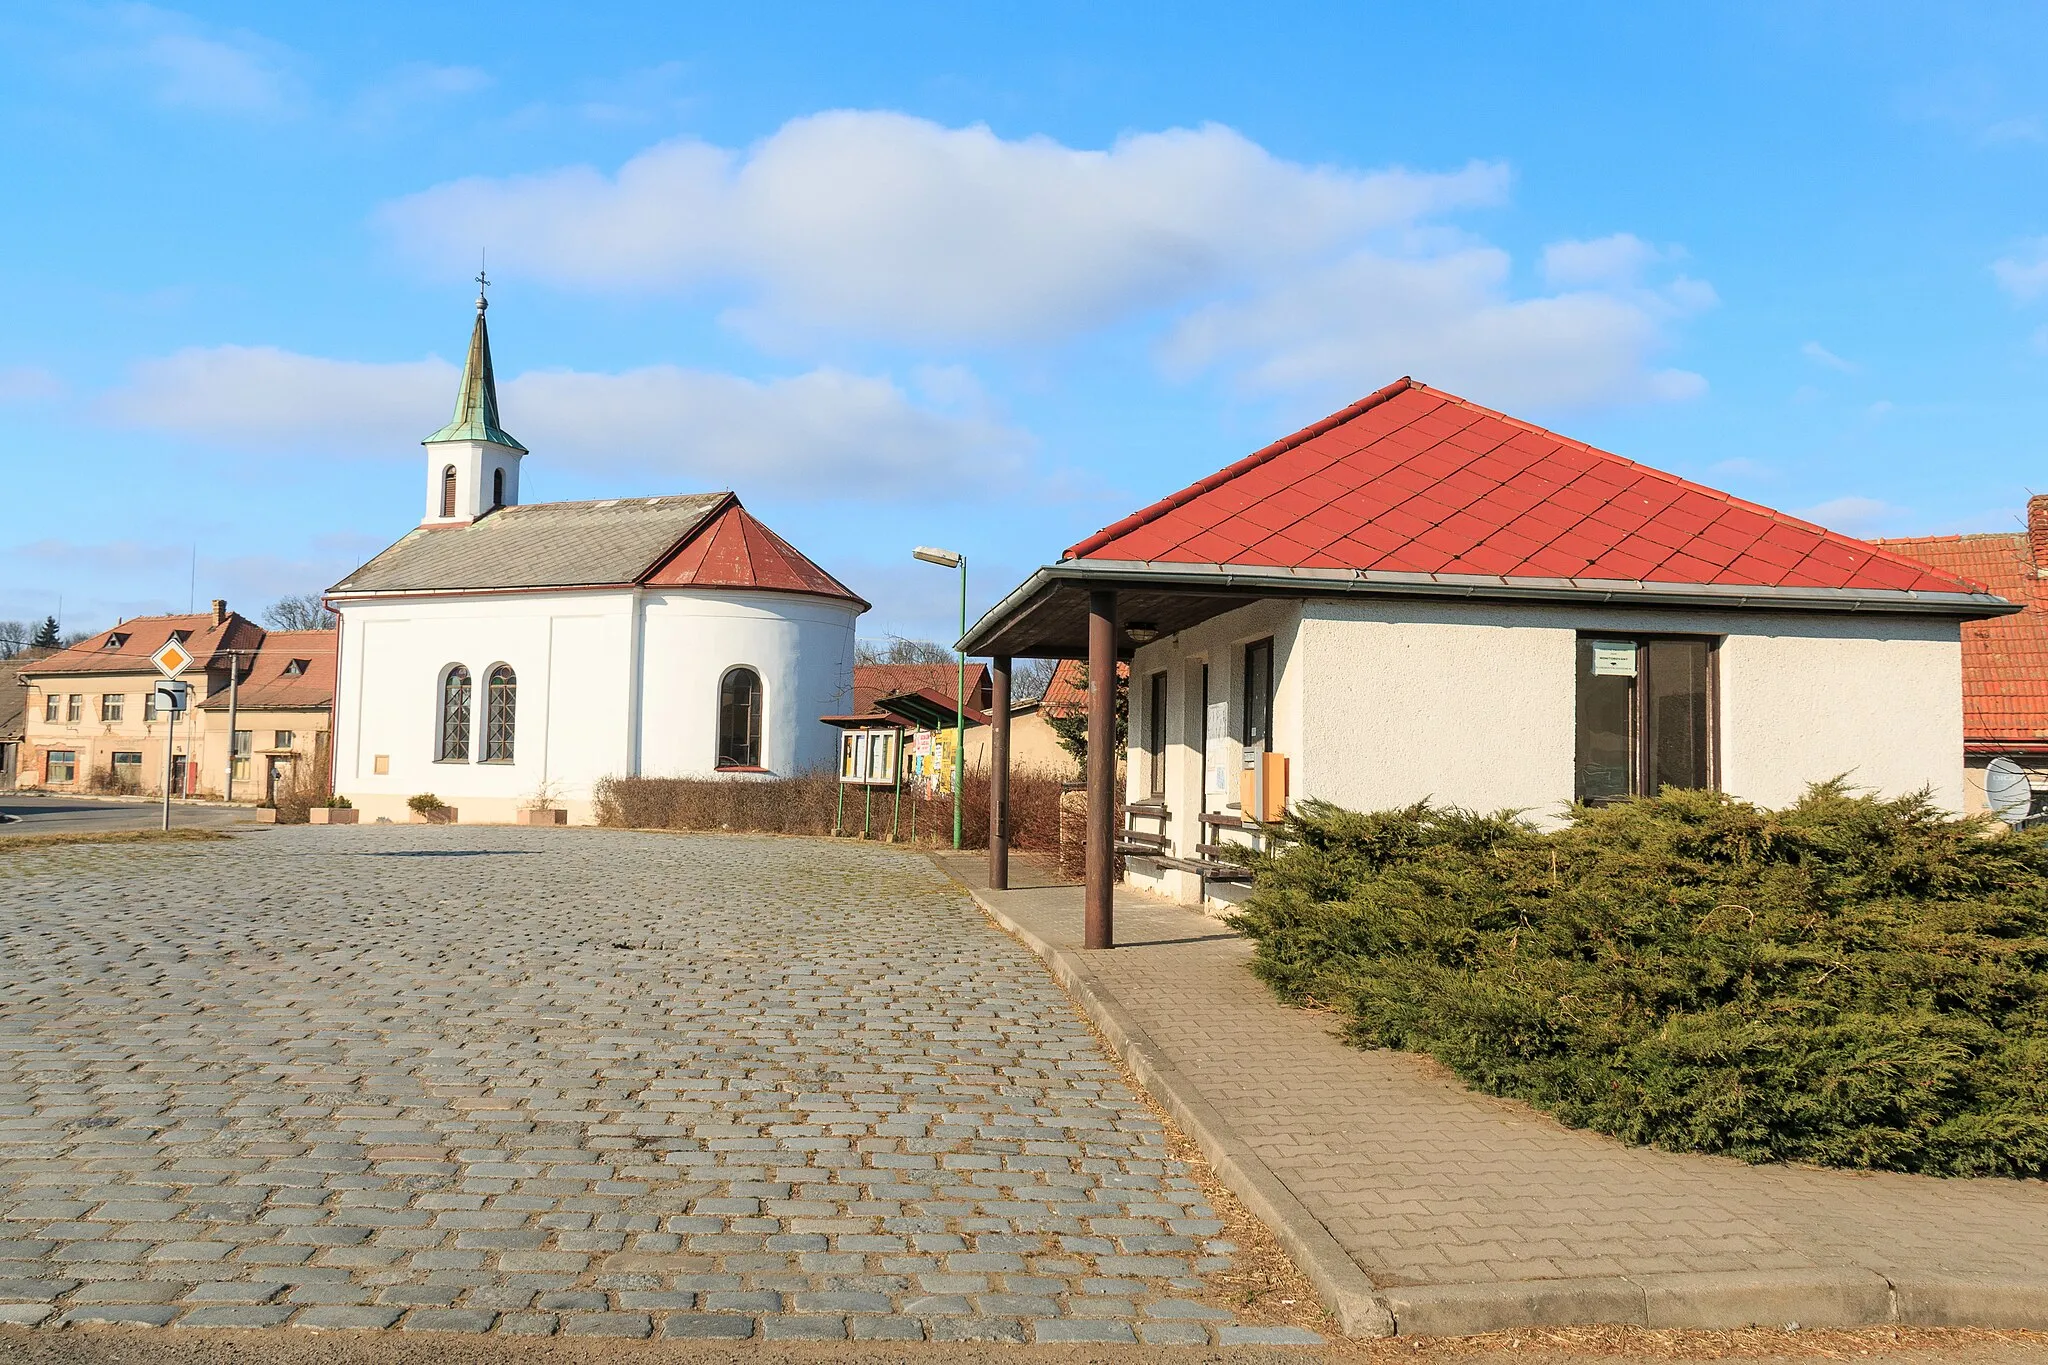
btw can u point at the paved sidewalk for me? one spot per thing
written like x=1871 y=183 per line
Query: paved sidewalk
x=1461 y=1212
x=586 y=1082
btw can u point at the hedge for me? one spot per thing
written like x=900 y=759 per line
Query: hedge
x=1851 y=981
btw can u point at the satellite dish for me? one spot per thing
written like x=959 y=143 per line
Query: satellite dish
x=2007 y=790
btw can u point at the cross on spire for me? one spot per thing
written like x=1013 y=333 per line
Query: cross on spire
x=483 y=282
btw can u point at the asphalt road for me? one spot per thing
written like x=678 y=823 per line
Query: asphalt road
x=71 y=815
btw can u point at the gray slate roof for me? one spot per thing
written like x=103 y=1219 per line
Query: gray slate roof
x=540 y=545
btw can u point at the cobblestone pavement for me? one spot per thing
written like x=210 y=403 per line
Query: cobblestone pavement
x=581 y=1082
x=1425 y=1182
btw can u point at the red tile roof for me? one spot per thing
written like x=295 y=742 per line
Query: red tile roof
x=872 y=682
x=1414 y=480
x=267 y=682
x=126 y=648
x=734 y=550
x=1066 y=692
x=2005 y=658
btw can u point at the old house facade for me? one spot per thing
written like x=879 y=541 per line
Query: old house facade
x=90 y=722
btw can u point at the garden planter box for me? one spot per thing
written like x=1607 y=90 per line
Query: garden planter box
x=443 y=816
x=333 y=815
x=264 y=815
x=543 y=817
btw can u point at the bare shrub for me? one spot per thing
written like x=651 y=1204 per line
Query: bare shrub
x=809 y=803
x=112 y=781
x=302 y=789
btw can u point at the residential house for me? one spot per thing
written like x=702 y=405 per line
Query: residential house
x=2005 y=658
x=13 y=713
x=92 y=723
x=1419 y=598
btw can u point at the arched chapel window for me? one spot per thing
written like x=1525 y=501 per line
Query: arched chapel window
x=455 y=716
x=739 y=719
x=501 y=702
x=497 y=488
x=448 y=491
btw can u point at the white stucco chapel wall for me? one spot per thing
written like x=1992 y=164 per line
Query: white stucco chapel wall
x=613 y=682
x=1383 y=702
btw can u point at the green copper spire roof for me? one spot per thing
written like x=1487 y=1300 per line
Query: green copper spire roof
x=476 y=404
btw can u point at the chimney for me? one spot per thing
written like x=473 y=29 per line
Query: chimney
x=220 y=607
x=2037 y=531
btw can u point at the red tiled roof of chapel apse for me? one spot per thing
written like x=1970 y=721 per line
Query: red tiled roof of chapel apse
x=1415 y=480
x=737 y=551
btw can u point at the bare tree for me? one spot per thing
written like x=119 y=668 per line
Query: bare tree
x=894 y=649
x=14 y=637
x=1030 y=677
x=302 y=611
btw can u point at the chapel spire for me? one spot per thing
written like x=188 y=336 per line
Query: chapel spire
x=476 y=402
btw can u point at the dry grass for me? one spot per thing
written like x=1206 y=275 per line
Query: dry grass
x=187 y=835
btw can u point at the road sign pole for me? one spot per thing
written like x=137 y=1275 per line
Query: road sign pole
x=170 y=743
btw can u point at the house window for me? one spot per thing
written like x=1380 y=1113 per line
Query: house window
x=50 y=703
x=112 y=705
x=296 y=668
x=149 y=704
x=448 y=491
x=501 y=705
x=280 y=739
x=74 y=708
x=454 y=716
x=243 y=743
x=115 y=641
x=1645 y=716
x=1258 y=696
x=497 y=488
x=60 y=765
x=1155 y=732
x=739 y=719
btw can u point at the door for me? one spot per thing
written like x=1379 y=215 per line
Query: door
x=178 y=774
x=274 y=771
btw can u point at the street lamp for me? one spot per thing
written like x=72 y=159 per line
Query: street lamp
x=951 y=559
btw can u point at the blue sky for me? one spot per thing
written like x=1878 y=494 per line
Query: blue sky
x=986 y=276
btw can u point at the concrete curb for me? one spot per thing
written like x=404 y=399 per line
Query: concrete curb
x=1344 y=1289
x=1819 y=1297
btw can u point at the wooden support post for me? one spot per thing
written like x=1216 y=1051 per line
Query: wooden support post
x=999 y=774
x=1101 y=880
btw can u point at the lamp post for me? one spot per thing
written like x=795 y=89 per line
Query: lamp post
x=951 y=559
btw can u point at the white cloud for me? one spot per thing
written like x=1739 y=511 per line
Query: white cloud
x=823 y=433
x=1446 y=319
x=1742 y=467
x=1854 y=514
x=190 y=65
x=2024 y=274
x=888 y=225
x=413 y=86
x=1616 y=260
x=29 y=384
x=1821 y=355
x=1322 y=279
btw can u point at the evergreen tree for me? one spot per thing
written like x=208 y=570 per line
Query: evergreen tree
x=46 y=634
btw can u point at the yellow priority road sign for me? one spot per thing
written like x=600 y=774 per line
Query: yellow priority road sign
x=172 y=659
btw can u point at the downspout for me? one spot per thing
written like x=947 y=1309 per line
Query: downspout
x=334 y=703
x=635 y=642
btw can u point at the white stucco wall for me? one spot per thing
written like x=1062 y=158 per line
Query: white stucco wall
x=610 y=683
x=1380 y=703
x=801 y=646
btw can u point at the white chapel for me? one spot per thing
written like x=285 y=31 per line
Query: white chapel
x=500 y=652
